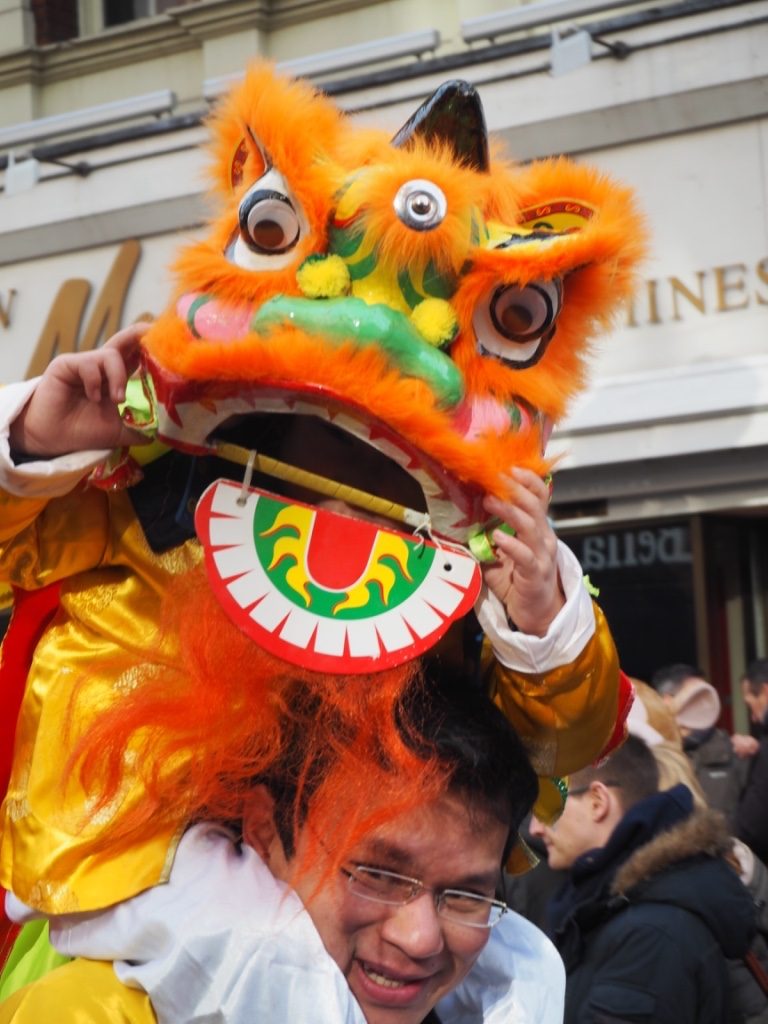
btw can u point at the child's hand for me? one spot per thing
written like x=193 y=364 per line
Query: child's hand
x=74 y=406
x=524 y=576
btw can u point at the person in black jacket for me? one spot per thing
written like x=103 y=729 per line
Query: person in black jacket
x=752 y=815
x=650 y=909
x=695 y=703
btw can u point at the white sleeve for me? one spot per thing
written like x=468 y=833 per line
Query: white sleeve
x=221 y=941
x=568 y=633
x=518 y=978
x=49 y=478
x=224 y=941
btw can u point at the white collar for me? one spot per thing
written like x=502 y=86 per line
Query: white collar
x=226 y=943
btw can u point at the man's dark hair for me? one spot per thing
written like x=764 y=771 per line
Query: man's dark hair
x=632 y=769
x=668 y=679
x=756 y=675
x=474 y=742
x=473 y=739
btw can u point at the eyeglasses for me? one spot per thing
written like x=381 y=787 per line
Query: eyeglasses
x=452 y=905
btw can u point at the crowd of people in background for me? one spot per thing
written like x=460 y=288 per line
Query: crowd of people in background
x=653 y=884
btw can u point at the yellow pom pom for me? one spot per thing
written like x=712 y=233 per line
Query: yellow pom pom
x=435 y=321
x=323 y=277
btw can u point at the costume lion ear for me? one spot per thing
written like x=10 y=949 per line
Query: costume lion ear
x=248 y=146
x=269 y=121
x=570 y=217
x=453 y=115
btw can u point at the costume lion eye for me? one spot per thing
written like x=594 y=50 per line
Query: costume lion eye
x=521 y=314
x=420 y=204
x=270 y=225
x=516 y=322
x=268 y=222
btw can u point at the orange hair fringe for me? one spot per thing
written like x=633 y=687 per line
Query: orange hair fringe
x=216 y=712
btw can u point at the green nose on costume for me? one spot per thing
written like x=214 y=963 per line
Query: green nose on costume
x=355 y=321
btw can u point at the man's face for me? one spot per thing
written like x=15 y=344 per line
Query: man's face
x=756 y=702
x=399 y=961
x=571 y=835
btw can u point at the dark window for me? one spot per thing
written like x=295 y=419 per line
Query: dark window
x=119 y=12
x=55 y=20
x=645 y=577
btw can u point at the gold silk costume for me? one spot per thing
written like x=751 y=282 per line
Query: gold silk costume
x=81 y=992
x=52 y=854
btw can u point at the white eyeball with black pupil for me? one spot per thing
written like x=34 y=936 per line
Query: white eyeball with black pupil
x=420 y=204
x=516 y=322
x=268 y=222
x=523 y=313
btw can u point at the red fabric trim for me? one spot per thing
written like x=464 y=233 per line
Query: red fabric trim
x=32 y=611
x=619 y=734
x=8 y=932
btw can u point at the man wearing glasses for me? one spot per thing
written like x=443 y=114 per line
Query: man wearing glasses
x=406 y=929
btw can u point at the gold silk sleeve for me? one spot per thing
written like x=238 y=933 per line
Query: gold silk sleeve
x=104 y=636
x=80 y=992
x=564 y=717
x=45 y=541
x=17 y=513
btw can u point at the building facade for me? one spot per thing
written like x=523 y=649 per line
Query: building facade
x=661 y=487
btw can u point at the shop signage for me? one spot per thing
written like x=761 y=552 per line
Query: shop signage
x=61 y=332
x=6 y=307
x=723 y=289
x=630 y=549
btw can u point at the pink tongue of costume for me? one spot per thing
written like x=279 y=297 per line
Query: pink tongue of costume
x=350 y=540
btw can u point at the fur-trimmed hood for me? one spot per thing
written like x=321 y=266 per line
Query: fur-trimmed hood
x=662 y=854
x=685 y=866
x=704 y=833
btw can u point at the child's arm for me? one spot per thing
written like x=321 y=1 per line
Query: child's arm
x=556 y=674
x=55 y=430
x=74 y=406
x=525 y=575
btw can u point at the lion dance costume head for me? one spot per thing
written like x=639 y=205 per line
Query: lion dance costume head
x=374 y=331
x=405 y=318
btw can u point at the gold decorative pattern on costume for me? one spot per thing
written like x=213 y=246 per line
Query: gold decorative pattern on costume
x=17 y=808
x=21 y=567
x=104 y=814
x=16 y=801
x=55 y=896
x=52 y=637
x=101 y=815
x=97 y=598
x=181 y=559
x=133 y=675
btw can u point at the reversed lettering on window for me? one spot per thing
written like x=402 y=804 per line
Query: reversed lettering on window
x=626 y=549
